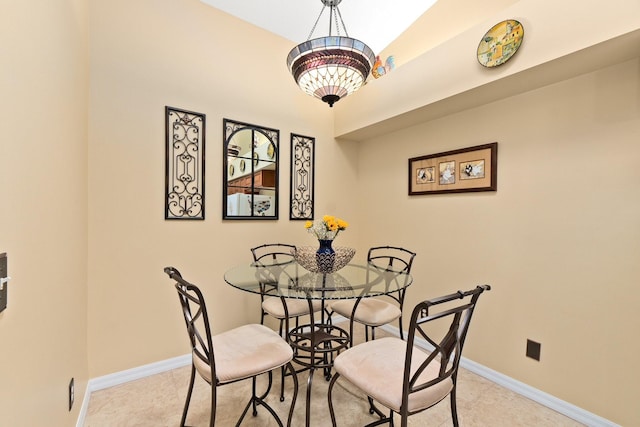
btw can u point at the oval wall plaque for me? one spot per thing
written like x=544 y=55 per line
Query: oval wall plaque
x=500 y=43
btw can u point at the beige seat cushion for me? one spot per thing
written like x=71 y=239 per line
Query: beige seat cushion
x=296 y=307
x=370 y=311
x=376 y=367
x=244 y=352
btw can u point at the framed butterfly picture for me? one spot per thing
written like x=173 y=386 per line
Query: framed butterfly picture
x=457 y=171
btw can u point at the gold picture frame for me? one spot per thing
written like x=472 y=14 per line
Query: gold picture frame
x=465 y=170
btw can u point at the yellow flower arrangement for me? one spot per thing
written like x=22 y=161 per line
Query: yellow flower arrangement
x=328 y=228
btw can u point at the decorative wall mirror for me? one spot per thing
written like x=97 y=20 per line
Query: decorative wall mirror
x=250 y=171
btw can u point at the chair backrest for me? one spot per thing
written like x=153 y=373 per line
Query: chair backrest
x=443 y=327
x=391 y=258
x=274 y=253
x=196 y=318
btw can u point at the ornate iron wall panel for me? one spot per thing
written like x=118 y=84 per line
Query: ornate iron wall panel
x=184 y=165
x=302 y=177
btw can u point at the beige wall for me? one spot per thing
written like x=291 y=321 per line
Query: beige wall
x=558 y=241
x=186 y=55
x=562 y=221
x=43 y=210
x=448 y=77
x=441 y=22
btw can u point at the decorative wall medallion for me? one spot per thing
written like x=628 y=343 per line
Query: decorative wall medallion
x=302 y=177
x=184 y=164
x=500 y=43
x=243 y=165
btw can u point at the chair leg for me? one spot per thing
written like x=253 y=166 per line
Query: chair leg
x=308 y=407
x=351 y=332
x=293 y=374
x=454 y=408
x=282 y=384
x=373 y=409
x=281 y=327
x=254 y=394
x=188 y=400
x=283 y=335
x=246 y=408
x=331 y=411
x=212 y=420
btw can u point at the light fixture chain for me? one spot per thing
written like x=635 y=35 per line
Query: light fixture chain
x=317 y=20
x=342 y=21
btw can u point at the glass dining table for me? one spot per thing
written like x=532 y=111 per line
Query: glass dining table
x=317 y=342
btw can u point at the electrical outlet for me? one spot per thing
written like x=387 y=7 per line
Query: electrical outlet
x=533 y=350
x=3 y=281
x=72 y=393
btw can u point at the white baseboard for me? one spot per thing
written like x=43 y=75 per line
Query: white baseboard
x=545 y=399
x=122 y=377
x=133 y=374
x=565 y=408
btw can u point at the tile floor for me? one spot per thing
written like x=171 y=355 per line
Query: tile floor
x=158 y=401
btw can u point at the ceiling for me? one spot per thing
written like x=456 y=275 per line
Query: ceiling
x=375 y=22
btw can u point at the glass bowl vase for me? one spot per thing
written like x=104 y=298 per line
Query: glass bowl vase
x=309 y=258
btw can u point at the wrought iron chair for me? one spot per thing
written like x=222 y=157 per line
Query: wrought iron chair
x=235 y=355
x=403 y=377
x=280 y=254
x=373 y=312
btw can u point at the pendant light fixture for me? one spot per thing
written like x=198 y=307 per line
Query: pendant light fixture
x=331 y=67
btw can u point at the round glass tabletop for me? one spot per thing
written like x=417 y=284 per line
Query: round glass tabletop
x=291 y=280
